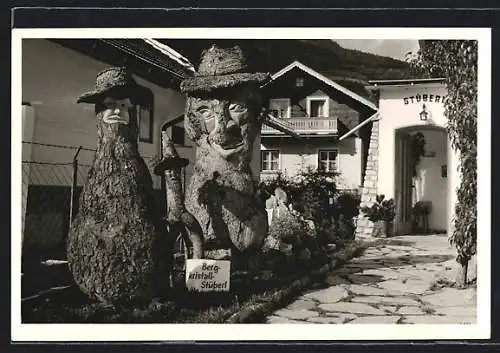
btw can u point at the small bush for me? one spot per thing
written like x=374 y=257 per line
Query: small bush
x=309 y=192
x=315 y=196
x=347 y=204
x=280 y=181
x=288 y=228
x=345 y=228
x=312 y=192
x=381 y=210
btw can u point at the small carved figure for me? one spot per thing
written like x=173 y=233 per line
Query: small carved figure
x=179 y=220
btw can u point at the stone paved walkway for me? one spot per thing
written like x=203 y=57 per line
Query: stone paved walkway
x=401 y=282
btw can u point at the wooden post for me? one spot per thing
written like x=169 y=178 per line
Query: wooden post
x=73 y=186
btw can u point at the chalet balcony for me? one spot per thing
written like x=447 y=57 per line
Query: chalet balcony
x=304 y=126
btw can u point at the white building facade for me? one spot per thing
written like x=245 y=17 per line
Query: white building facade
x=408 y=108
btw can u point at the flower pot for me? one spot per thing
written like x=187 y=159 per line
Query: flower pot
x=382 y=229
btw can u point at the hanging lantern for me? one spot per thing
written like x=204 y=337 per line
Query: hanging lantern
x=424 y=114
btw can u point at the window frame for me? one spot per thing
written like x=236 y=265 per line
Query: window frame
x=262 y=170
x=288 y=104
x=337 y=159
x=145 y=104
x=326 y=99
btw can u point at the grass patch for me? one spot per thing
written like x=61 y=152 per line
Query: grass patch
x=428 y=310
x=249 y=301
x=397 y=242
x=442 y=283
x=446 y=283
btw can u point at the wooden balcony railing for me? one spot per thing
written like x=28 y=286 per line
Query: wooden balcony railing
x=305 y=125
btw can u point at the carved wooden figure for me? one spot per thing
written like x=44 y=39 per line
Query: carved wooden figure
x=117 y=250
x=223 y=118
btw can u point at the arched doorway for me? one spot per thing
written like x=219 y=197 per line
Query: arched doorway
x=421 y=180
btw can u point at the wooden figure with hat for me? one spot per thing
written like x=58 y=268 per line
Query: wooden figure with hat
x=223 y=119
x=117 y=250
x=179 y=220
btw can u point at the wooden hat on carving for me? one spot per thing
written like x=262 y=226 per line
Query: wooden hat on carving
x=116 y=82
x=222 y=68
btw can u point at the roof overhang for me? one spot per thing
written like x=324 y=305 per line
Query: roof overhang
x=171 y=53
x=359 y=126
x=296 y=64
x=144 y=57
x=150 y=52
x=406 y=82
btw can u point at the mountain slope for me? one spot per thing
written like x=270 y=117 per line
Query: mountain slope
x=322 y=55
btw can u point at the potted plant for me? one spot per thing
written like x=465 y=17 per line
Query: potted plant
x=420 y=212
x=382 y=214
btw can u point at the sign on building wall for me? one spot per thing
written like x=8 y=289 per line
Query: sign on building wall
x=424 y=97
x=208 y=275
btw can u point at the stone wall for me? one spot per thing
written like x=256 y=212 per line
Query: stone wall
x=369 y=190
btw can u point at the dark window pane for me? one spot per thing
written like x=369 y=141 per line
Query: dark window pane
x=317 y=108
x=178 y=135
x=145 y=120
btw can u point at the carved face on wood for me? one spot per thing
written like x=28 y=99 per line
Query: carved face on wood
x=117 y=110
x=116 y=120
x=226 y=120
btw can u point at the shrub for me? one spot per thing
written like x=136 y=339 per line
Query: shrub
x=288 y=228
x=381 y=210
x=311 y=192
x=328 y=232
x=345 y=228
x=347 y=204
x=315 y=196
x=280 y=181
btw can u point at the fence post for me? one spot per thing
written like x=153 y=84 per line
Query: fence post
x=73 y=186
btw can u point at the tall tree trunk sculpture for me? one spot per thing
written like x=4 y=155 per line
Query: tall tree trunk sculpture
x=223 y=119
x=179 y=220
x=117 y=248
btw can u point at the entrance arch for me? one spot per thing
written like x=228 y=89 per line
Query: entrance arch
x=425 y=182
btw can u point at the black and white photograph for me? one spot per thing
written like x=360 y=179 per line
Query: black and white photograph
x=325 y=182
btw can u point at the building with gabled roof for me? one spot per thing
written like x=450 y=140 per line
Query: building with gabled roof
x=327 y=118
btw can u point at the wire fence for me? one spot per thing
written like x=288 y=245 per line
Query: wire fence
x=52 y=180
x=52 y=177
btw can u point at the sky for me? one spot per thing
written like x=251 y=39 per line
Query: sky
x=394 y=48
